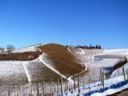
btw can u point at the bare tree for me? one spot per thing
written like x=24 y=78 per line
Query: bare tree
x=1 y=49
x=10 y=48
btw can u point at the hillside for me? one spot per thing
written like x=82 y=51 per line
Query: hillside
x=53 y=57
x=50 y=62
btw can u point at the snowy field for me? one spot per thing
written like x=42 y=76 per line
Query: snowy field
x=42 y=75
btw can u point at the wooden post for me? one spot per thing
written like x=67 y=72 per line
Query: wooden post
x=102 y=78
x=74 y=83
x=124 y=73
x=67 y=88
x=51 y=86
x=58 y=83
x=58 y=86
x=30 y=85
x=43 y=88
x=20 y=90
x=37 y=88
x=61 y=80
x=83 y=80
x=78 y=81
x=127 y=73
x=9 y=90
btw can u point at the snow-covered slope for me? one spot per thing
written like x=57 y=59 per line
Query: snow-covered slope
x=101 y=59
x=54 y=58
x=66 y=61
x=55 y=61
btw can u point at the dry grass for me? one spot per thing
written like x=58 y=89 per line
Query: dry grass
x=62 y=59
x=25 y=56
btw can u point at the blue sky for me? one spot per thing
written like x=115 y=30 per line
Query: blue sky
x=68 y=22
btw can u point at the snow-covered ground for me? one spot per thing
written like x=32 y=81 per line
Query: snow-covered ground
x=45 y=67
x=112 y=86
x=109 y=58
x=12 y=71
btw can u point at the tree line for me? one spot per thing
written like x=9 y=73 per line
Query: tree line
x=86 y=47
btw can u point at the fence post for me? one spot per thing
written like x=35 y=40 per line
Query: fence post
x=9 y=90
x=74 y=82
x=102 y=78
x=124 y=73
x=127 y=73
x=78 y=86
x=66 y=86
x=20 y=90
x=43 y=87
x=30 y=85
x=61 y=80
x=58 y=86
x=37 y=88
x=83 y=80
x=51 y=86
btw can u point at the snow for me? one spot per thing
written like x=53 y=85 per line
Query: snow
x=12 y=70
x=26 y=71
x=8 y=68
x=111 y=91
x=116 y=51
x=87 y=57
x=108 y=83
